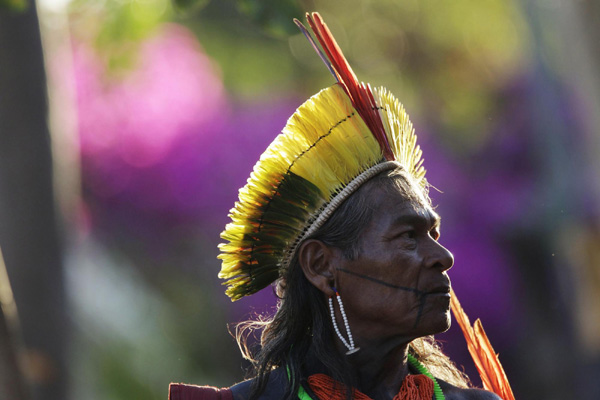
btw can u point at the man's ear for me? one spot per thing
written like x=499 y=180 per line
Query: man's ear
x=315 y=259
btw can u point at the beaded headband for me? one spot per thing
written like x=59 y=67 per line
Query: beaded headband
x=334 y=142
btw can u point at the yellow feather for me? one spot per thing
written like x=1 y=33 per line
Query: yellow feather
x=401 y=134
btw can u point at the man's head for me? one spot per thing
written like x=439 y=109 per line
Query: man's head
x=380 y=251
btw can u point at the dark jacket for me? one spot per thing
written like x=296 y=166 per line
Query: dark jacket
x=275 y=390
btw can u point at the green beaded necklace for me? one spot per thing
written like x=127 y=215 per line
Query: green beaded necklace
x=437 y=390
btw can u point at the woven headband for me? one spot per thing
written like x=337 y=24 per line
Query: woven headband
x=323 y=215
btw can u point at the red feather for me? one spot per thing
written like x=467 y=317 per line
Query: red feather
x=486 y=360
x=359 y=93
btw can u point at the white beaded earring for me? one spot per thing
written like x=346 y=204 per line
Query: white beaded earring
x=350 y=342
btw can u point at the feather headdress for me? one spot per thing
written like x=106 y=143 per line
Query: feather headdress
x=335 y=141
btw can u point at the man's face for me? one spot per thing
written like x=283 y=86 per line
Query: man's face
x=398 y=285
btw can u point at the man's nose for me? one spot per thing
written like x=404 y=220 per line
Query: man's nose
x=440 y=257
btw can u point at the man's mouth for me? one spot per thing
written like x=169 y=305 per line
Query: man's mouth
x=443 y=290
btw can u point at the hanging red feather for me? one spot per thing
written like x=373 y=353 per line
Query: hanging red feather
x=486 y=360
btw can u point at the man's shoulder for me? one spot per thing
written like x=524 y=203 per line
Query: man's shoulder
x=275 y=388
x=452 y=392
x=182 y=391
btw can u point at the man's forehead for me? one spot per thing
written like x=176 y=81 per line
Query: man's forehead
x=403 y=194
x=397 y=207
x=410 y=209
x=424 y=212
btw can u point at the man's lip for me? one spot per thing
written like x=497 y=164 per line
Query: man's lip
x=443 y=290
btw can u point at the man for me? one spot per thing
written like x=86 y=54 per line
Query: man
x=337 y=213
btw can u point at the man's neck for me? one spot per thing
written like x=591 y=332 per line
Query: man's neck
x=380 y=367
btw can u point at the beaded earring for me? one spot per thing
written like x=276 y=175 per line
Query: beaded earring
x=350 y=342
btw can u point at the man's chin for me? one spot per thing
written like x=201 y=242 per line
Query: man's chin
x=442 y=325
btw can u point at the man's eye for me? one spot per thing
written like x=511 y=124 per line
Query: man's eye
x=409 y=235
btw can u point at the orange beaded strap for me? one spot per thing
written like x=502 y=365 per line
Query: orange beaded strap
x=414 y=387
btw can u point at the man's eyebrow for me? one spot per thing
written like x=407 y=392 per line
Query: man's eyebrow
x=431 y=218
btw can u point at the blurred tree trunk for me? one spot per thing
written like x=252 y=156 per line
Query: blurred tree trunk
x=11 y=379
x=28 y=221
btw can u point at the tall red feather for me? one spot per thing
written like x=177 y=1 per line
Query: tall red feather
x=359 y=93
x=486 y=360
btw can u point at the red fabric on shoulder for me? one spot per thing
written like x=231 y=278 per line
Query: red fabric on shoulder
x=180 y=391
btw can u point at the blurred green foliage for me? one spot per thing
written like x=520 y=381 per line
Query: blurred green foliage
x=14 y=5
x=255 y=68
x=274 y=16
x=116 y=27
x=189 y=5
